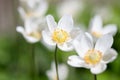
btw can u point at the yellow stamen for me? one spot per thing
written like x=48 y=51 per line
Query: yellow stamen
x=93 y=57
x=60 y=36
x=97 y=34
x=35 y=34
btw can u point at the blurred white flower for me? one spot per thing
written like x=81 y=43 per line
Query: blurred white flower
x=97 y=29
x=62 y=69
x=104 y=12
x=93 y=56
x=31 y=30
x=35 y=8
x=71 y=7
x=61 y=34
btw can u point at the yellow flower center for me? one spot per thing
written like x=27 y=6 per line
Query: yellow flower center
x=35 y=34
x=30 y=14
x=93 y=57
x=97 y=34
x=60 y=36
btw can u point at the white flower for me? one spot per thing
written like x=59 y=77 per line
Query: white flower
x=104 y=12
x=31 y=31
x=71 y=7
x=93 y=56
x=35 y=8
x=97 y=29
x=63 y=72
x=61 y=34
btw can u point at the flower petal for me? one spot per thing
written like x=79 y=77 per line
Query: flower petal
x=22 y=13
x=30 y=39
x=82 y=44
x=42 y=8
x=29 y=25
x=111 y=29
x=104 y=43
x=66 y=23
x=76 y=61
x=99 y=68
x=20 y=29
x=75 y=31
x=110 y=55
x=63 y=71
x=66 y=46
x=51 y=23
x=47 y=38
x=89 y=36
x=96 y=24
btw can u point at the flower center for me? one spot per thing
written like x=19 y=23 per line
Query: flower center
x=30 y=14
x=97 y=34
x=93 y=57
x=60 y=36
x=35 y=34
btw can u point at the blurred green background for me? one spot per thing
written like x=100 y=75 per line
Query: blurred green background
x=15 y=58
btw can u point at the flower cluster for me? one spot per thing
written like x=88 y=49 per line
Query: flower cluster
x=93 y=47
x=33 y=15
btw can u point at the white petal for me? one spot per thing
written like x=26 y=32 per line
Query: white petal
x=66 y=46
x=20 y=29
x=99 y=68
x=76 y=61
x=63 y=71
x=110 y=55
x=66 y=23
x=51 y=23
x=75 y=32
x=104 y=43
x=28 y=24
x=47 y=38
x=88 y=35
x=110 y=29
x=96 y=24
x=31 y=3
x=42 y=8
x=30 y=39
x=82 y=44
x=22 y=13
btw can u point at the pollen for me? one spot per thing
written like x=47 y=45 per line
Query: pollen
x=97 y=34
x=60 y=36
x=93 y=57
x=35 y=34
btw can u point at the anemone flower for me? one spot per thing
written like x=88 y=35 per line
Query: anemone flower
x=31 y=30
x=93 y=56
x=60 y=34
x=35 y=8
x=97 y=29
x=63 y=72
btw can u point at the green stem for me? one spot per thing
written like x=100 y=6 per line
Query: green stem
x=95 y=77
x=33 y=65
x=56 y=63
